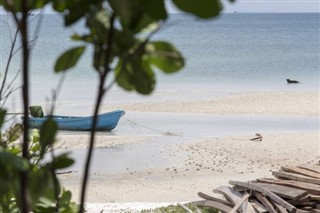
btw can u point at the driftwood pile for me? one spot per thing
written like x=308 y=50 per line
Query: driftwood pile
x=294 y=189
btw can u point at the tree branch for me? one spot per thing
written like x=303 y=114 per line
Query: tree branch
x=101 y=92
x=130 y=56
x=9 y=61
x=25 y=95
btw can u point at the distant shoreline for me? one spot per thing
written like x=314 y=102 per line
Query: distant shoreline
x=295 y=103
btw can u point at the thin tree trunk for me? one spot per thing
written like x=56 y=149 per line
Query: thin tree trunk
x=101 y=92
x=25 y=96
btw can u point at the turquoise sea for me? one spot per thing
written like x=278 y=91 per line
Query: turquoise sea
x=235 y=52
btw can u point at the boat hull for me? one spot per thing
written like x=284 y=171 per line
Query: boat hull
x=106 y=122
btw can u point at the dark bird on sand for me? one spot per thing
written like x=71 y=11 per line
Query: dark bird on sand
x=258 y=138
x=292 y=81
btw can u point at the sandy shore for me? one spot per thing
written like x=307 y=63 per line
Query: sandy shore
x=298 y=103
x=202 y=163
x=201 y=166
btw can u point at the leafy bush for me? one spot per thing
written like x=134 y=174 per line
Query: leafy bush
x=45 y=191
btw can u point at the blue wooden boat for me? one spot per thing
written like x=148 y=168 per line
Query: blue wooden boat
x=106 y=122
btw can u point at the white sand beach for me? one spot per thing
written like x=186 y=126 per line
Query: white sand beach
x=201 y=163
x=297 y=103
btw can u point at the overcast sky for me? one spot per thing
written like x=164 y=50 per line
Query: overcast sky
x=257 y=6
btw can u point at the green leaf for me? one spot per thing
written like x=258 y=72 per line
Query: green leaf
x=15 y=150
x=45 y=205
x=69 y=59
x=16 y=5
x=85 y=38
x=60 y=5
x=75 y=9
x=65 y=197
x=14 y=161
x=155 y=9
x=125 y=9
x=62 y=161
x=99 y=24
x=14 y=133
x=123 y=76
x=136 y=75
x=35 y=147
x=165 y=56
x=35 y=136
x=36 y=111
x=200 y=8
x=144 y=79
x=48 y=132
x=2 y=116
x=135 y=15
x=37 y=4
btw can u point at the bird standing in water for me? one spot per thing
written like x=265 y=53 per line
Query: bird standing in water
x=292 y=81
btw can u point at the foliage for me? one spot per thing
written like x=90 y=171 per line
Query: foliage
x=36 y=111
x=43 y=184
x=136 y=56
x=120 y=33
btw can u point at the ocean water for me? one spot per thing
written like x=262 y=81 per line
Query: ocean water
x=235 y=52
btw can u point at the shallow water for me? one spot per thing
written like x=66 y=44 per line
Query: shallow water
x=183 y=128
x=207 y=125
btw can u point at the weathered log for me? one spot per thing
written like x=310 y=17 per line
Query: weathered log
x=265 y=202
x=234 y=197
x=309 y=187
x=208 y=197
x=311 y=167
x=258 y=206
x=283 y=191
x=301 y=171
x=237 y=206
x=296 y=177
x=280 y=208
x=266 y=192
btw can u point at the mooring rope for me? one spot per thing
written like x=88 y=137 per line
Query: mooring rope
x=137 y=127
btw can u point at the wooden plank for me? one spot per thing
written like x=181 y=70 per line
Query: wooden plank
x=301 y=171
x=208 y=197
x=211 y=203
x=296 y=177
x=241 y=201
x=258 y=206
x=309 y=187
x=283 y=191
x=230 y=194
x=308 y=208
x=280 y=208
x=266 y=192
x=233 y=196
x=245 y=206
x=311 y=167
x=301 y=200
x=310 y=203
x=314 y=197
x=265 y=202
x=303 y=211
